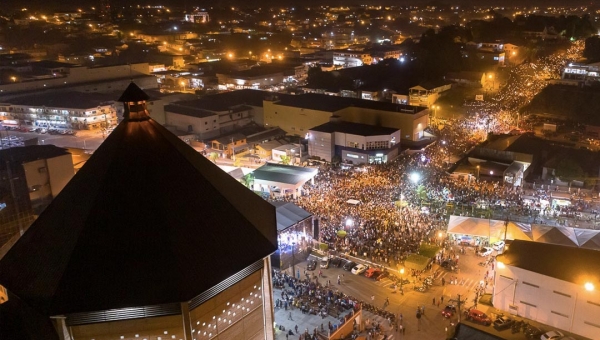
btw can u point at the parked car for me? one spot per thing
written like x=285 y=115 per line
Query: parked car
x=372 y=272
x=359 y=269
x=325 y=262
x=349 y=265
x=312 y=265
x=478 y=316
x=449 y=311
x=382 y=275
x=532 y=332
x=485 y=251
x=498 y=246
x=503 y=322
x=552 y=335
x=335 y=262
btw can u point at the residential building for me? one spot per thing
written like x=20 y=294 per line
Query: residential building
x=30 y=177
x=228 y=146
x=254 y=78
x=294 y=151
x=558 y=286
x=125 y=247
x=353 y=143
x=265 y=150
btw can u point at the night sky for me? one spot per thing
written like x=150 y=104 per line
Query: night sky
x=73 y=4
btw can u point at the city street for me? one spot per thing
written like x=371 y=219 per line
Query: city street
x=433 y=324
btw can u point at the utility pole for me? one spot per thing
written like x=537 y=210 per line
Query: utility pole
x=459 y=303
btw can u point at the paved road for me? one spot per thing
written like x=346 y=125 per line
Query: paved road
x=432 y=323
x=89 y=140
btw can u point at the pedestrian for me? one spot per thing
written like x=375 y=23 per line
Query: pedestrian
x=401 y=328
x=290 y=316
x=442 y=298
x=372 y=297
x=433 y=301
x=296 y=328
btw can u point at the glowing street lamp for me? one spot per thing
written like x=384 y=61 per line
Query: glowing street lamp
x=415 y=177
x=14 y=79
x=589 y=286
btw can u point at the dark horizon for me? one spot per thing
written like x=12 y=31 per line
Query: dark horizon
x=10 y=5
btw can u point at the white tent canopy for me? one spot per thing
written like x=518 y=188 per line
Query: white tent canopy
x=496 y=229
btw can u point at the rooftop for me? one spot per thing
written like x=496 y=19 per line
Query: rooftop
x=289 y=214
x=322 y=102
x=354 y=129
x=138 y=225
x=575 y=265
x=287 y=174
x=67 y=100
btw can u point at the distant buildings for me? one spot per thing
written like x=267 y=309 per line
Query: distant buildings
x=197 y=17
x=581 y=72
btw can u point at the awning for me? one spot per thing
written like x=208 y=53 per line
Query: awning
x=561 y=195
x=556 y=235
x=469 y=226
x=513 y=230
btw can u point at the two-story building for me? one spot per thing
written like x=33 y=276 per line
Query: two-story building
x=353 y=142
x=351 y=58
x=64 y=110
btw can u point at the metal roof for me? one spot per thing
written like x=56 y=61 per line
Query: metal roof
x=287 y=174
x=139 y=225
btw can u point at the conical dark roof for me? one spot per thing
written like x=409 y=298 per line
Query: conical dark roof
x=147 y=220
x=133 y=93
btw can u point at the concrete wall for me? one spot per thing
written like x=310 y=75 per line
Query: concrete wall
x=60 y=170
x=293 y=120
x=409 y=124
x=204 y=127
x=548 y=300
x=321 y=144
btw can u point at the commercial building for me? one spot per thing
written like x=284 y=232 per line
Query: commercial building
x=64 y=110
x=298 y=114
x=581 y=72
x=354 y=143
x=351 y=58
x=148 y=240
x=30 y=177
x=555 y=285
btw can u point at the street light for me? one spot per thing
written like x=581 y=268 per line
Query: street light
x=402 y=277
x=589 y=286
x=478 y=172
x=182 y=85
x=415 y=177
x=14 y=79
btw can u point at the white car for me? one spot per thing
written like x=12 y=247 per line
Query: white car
x=498 y=245
x=552 y=335
x=485 y=251
x=359 y=269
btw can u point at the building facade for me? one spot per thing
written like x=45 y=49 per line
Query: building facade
x=353 y=143
x=560 y=289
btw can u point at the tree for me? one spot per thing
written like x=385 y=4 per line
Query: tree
x=568 y=170
x=213 y=157
x=285 y=159
x=421 y=192
x=248 y=180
